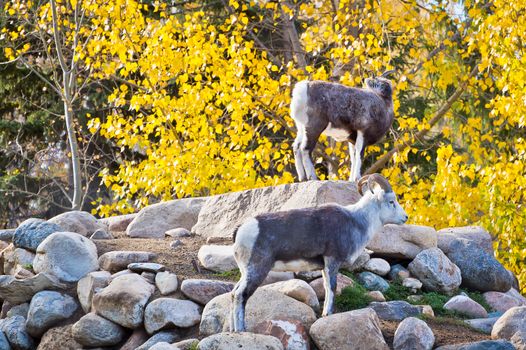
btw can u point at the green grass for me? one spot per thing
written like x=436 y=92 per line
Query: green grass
x=194 y=346
x=28 y=267
x=352 y=297
x=232 y=274
x=397 y=291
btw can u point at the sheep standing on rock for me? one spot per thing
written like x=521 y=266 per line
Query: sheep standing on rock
x=360 y=116
x=323 y=236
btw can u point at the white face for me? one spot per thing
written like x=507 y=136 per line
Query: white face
x=390 y=211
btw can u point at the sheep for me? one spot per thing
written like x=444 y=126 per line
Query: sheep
x=323 y=236
x=360 y=116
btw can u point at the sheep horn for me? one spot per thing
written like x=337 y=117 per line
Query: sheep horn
x=365 y=180
x=388 y=73
x=382 y=181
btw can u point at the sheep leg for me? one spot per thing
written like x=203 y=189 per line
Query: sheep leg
x=358 y=152
x=298 y=158
x=312 y=133
x=351 y=160
x=329 y=273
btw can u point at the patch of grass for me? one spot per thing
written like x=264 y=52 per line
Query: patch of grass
x=352 y=298
x=28 y=267
x=437 y=301
x=194 y=346
x=397 y=291
x=232 y=274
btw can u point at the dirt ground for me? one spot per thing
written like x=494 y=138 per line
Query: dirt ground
x=183 y=262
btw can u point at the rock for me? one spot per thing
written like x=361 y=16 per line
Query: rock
x=32 y=232
x=373 y=282
x=19 y=291
x=165 y=312
x=47 y=309
x=480 y=270
x=18 y=310
x=80 y=222
x=415 y=298
x=412 y=283
x=402 y=241
x=7 y=235
x=308 y=276
x=89 y=285
x=21 y=273
x=4 y=343
x=378 y=266
x=342 y=281
x=398 y=272
x=118 y=223
x=14 y=329
x=357 y=329
x=395 y=310
x=101 y=234
x=187 y=344
x=166 y=282
x=426 y=310
x=357 y=264
x=297 y=289
x=484 y=325
x=92 y=330
x=176 y=244
x=376 y=295
x=58 y=338
x=292 y=334
x=277 y=276
x=169 y=336
x=164 y=346
x=501 y=301
x=154 y=220
x=466 y=306
x=138 y=337
x=480 y=345
x=123 y=300
x=511 y=322
x=66 y=255
x=178 y=232
x=216 y=314
x=519 y=340
x=228 y=341
x=436 y=272
x=476 y=234
x=119 y=260
x=515 y=294
x=121 y=273
x=16 y=258
x=218 y=240
x=221 y=214
x=217 y=258
x=413 y=334
x=146 y=267
x=202 y=291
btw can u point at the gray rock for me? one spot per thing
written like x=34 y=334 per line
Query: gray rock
x=395 y=310
x=66 y=255
x=154 y=220
x=120 y=259
x=297 y=289
x=168 y=312
x=4 y=344
x=123 y=300
x=20 y=291
x=202 y=291
x=436 y=272
x=480 y=270
x=513 y=321
x=16 y=259
x=226 y=341
x=217 y=258
x=32 y=232
x=480 y=345
x=138 y=337
x=92 y=330
x=169 y=336
x=118 y=223
x=412 y=283
x=149 y=276
x=216 y=314
x=221 y=214
x=101 y=234
x=14 y=329
x=373 y=282
x=501 y=301
x=176 y=244
x=59 y=338
x=164 y=346
x=277 y=276
x=80 y=222
x=357 y=329
x=413 y=334
x=308 y=276
x=178 y=232
x=146 y=267
x=402 y=241
x=476 y=234
x=466 y=306
x=47 y=309
x=398 y=272
x=342 y=281
x=378 y=266
x=89 y=285
x=7 y=235
x=513 y=292
x=166 y=282
x=18 y=310
x=484 y=325
x=376 y=295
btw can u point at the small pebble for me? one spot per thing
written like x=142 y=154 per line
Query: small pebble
x=178 y=232
x=175 y=244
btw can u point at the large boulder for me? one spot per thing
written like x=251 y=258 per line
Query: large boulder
x=154 y=220
x=297 y=289
x=169 y=312
x=32 y=232
x=14 y=329
x=123 y=300
x=395 y=310
x=480 y=270
x=466 y=306
x=513 y=321
x=217 y=258
x=80 y=222
x=92 y=283
x=92 y=331
x=476 y=234
x=47 y=309
x=413 y=334
x=221 y=214
x=120 y=259
x=436 y=272
x=216 y=314
x=118 y=223
x=19 y=291
x=67 y=255
x=228 y=341
x=202 y=291
x=402 y=241
x=358 y=329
